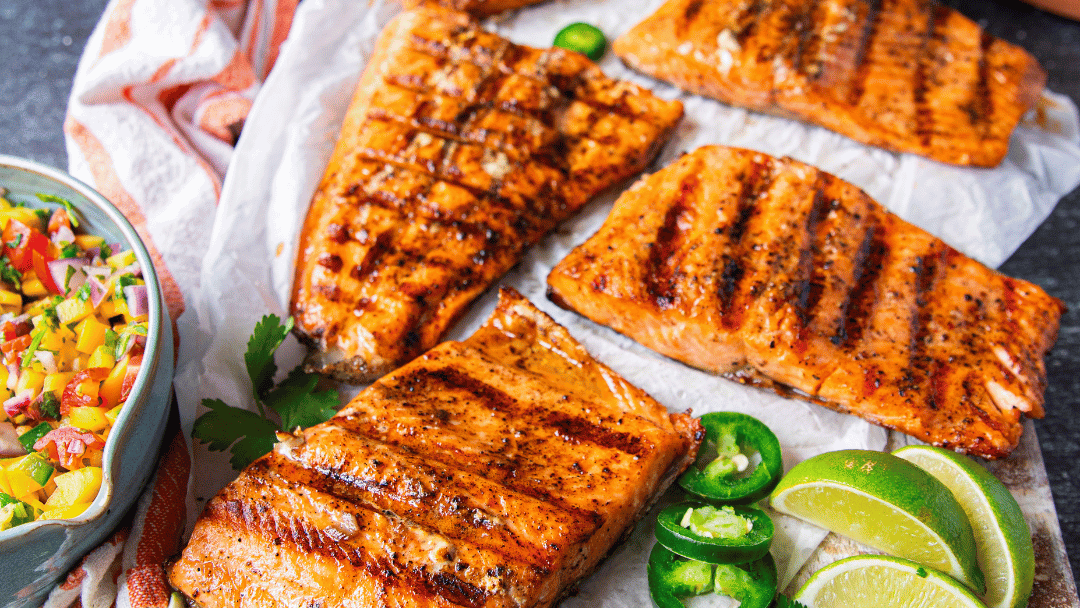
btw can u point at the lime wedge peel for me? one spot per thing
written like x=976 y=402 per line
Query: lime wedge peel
x=884 y=502
x=1002 y=537
x=873 y=581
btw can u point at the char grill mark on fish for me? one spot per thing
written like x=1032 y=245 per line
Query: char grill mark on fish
x=491 y=473
x=459 y=150
x=867 y=34
x=752 y=184
x=905 y=75
x=812 y=289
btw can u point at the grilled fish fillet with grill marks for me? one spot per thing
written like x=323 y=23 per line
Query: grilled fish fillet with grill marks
x=776 y=274
x=906 y=75
x=458 y=151
x=494 y=472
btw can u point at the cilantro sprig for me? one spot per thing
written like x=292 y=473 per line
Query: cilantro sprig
x=294 y=402
x=783 y=602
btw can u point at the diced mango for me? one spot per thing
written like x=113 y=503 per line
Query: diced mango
x=5 y=487
x=119 y=260
x=91 y=334
x=36 y=307
x=57 y=381
x=102 y=357
x=10 y=298
x=30 y=379
x=72 y=310
x=88 y=417
x=21 y=484
x=113 y=413
x=25 y=215
x=34 y=288
x=74 y=487
x=89 y=241
x=107 y=308
x=34 y=502
x=56 y=339
x=65 y=358
x=68 y=512
x=113 y=384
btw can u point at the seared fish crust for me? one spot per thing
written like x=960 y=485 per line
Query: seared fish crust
x=494 y=472
x=459 y=150
x=480 y=8
x=906 y=75
x=773 y=273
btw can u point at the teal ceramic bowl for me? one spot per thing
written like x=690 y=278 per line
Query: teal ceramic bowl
x=35 y=556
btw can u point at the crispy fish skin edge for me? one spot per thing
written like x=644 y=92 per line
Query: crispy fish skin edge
x=682 y=424
x=644 y=49
x=565 y=289
x=364 y=368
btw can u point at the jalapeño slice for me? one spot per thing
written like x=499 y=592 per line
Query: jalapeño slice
x=716 y=535
x=721 y=473
x=673 y=578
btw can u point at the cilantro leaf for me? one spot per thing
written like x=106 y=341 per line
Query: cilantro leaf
x=922 y=572
x=9 y=274
x=52 y=198
x=225 y=425
x=268 y=335
x=249 y=435
x=296 y=401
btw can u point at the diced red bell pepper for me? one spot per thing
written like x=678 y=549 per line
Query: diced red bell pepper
x=11 y=330
x=41 y=267
x=20 y=241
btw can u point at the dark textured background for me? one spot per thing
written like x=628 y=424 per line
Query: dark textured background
x=41 y=40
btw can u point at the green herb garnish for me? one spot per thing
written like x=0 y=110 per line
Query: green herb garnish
x=294 y=401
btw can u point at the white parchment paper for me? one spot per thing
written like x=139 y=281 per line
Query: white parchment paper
x=247 y=272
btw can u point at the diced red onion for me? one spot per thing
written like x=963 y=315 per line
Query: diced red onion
x=115 y=248
x=19 y=403
x=101 y=272
x=9 y=441
x=47 y=359
x=63 y=236
x=137 y=301
x=59 y=271
x=132 y=269
x=97 y=290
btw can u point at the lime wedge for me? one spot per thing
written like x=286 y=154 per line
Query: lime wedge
x=887 y=503
x=1002 y=537
x=873 y=581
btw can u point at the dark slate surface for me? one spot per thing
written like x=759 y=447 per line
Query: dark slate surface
x=41 y=40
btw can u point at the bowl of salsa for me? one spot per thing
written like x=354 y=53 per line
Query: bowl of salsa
x=86 y=362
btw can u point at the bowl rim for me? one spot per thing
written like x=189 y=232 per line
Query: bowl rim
x=154 y=339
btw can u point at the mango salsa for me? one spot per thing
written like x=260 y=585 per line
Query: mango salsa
x=72 y=329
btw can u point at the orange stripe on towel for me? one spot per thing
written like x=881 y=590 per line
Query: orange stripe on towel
x=117 y=28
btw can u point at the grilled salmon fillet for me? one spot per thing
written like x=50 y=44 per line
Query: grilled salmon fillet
x=493 y=472
x=479 y=8
x=458 y=151
x=773 y=273
x=906 y=75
